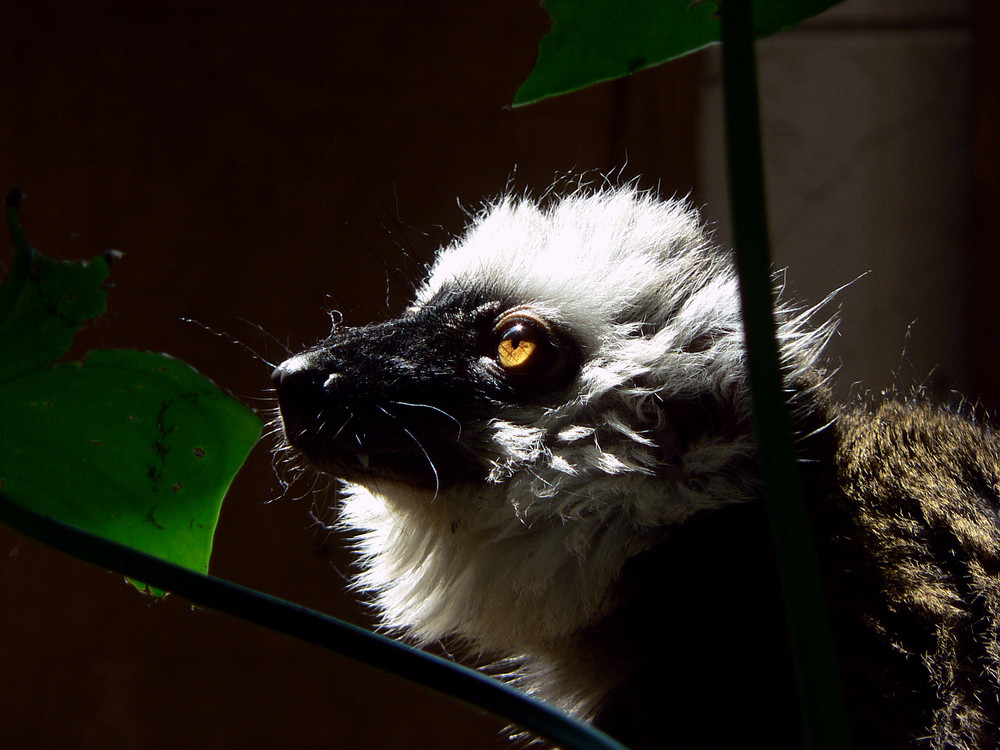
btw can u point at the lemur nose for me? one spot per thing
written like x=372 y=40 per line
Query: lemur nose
x=298 y=385
x=292 y=371
x=280 y=373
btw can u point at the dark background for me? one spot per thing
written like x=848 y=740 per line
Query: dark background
x=257 y=162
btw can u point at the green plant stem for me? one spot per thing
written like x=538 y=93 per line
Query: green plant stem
x=441 y=675
x=824 y=714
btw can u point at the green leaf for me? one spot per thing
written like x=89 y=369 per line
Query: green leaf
x=43 y=303
x=599 y=40
x=133 y=446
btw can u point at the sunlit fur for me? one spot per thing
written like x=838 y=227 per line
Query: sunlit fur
x=577 y=487
x=593 y=525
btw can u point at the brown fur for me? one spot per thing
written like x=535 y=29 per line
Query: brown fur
x=918 y=552
x=904 y=499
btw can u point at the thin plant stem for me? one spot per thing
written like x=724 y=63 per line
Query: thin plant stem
x=453 y=680
x=824 y=715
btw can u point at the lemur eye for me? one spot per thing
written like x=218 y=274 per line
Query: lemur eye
x=521 y=345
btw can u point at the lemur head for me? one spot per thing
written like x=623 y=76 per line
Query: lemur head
x=568 y=384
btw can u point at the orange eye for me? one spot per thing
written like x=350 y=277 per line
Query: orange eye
x=520 y=346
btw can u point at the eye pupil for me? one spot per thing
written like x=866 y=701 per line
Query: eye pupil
x=518 y=348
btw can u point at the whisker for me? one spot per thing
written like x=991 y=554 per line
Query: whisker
x=260 y=329
x=433 y=408
x=340 y=429
x=232 y=340
x=390 y=271
x=430 y=462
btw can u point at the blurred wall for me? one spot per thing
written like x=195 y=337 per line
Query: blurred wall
x=866 y=115
x=261 y=164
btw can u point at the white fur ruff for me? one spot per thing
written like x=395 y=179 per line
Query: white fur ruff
x=512 y=566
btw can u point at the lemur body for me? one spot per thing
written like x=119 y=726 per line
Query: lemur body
x=549 y=459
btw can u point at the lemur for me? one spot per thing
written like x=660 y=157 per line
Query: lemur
x=548 y=458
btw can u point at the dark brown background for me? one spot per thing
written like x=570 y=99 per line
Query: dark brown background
x=245 y=156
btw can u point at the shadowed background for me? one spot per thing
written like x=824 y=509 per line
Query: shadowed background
x=261 y=164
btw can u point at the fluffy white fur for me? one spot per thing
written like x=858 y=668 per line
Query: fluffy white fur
x=575 y=489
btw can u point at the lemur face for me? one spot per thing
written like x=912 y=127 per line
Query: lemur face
x=392 y=401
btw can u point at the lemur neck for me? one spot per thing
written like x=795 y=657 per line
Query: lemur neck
x=700 y=614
